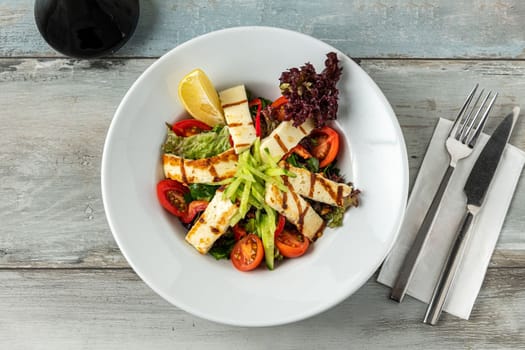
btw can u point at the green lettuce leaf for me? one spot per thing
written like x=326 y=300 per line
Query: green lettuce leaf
x=334 y=218
x=203 y=145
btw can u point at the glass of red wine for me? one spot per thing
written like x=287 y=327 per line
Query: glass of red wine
x=86 y=28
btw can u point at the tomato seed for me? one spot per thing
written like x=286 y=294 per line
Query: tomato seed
x=176 y=199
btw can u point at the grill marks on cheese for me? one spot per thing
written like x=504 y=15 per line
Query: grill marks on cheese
x=285 y=137
x=297 y=210
x=215 y=220
x=213 y=223
x=234 y=102
x=228 y=105
x=317 y=187
x=205 y=170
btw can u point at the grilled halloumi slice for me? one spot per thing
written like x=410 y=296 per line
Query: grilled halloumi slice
x=238 y=118
x=317 y=187
x=285 y=137
x=297 y=210
x=213 y=223
x=206 y=170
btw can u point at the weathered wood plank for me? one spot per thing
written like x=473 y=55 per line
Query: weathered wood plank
x=53 y=124
x=55 y=114
x=375 y=28
x=113 y=309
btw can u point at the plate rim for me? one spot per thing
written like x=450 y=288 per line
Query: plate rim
x=314 y=310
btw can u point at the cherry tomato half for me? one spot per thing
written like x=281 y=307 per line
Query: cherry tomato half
x=291 y=243
x=189 y=127
x=247 y=253
x=279 y=102
x=171 y=196
x=194 y=208
x=278 y=108
x=327 y=145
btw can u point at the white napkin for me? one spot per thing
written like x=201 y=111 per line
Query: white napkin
x=487 y=225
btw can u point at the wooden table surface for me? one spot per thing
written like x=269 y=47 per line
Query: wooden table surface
x=64 y=284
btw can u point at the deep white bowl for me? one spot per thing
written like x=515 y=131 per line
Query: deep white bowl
x=374 y=158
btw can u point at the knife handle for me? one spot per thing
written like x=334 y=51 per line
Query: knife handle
x=411 y=259
x=439 y=296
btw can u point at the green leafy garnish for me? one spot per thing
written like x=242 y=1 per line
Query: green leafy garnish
x=204 y=192
x=293 y=160
x=333 y=173
x=223 y=247
x=334 y=217
x=310 y=164
x=203 y=145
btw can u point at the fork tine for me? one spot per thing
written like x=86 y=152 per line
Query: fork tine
x=463 y=109
x=461 y=134
x=481 y=124
x=466 y=134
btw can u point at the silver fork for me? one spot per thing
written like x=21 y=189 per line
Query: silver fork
x=461 y=140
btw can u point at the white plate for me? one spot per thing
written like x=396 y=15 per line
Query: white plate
x=374 y=158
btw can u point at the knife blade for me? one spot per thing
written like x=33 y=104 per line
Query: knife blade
x=485 y=166
x=475 y=188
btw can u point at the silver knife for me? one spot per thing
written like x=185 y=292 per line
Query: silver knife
x=475 y=189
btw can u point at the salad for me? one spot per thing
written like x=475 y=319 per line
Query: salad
x=253 y=179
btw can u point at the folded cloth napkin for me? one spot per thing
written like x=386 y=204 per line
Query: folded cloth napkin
x=487 y=225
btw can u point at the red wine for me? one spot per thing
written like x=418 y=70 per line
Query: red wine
x=86 y=28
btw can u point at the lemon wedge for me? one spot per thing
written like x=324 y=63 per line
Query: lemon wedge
x=199 y=97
